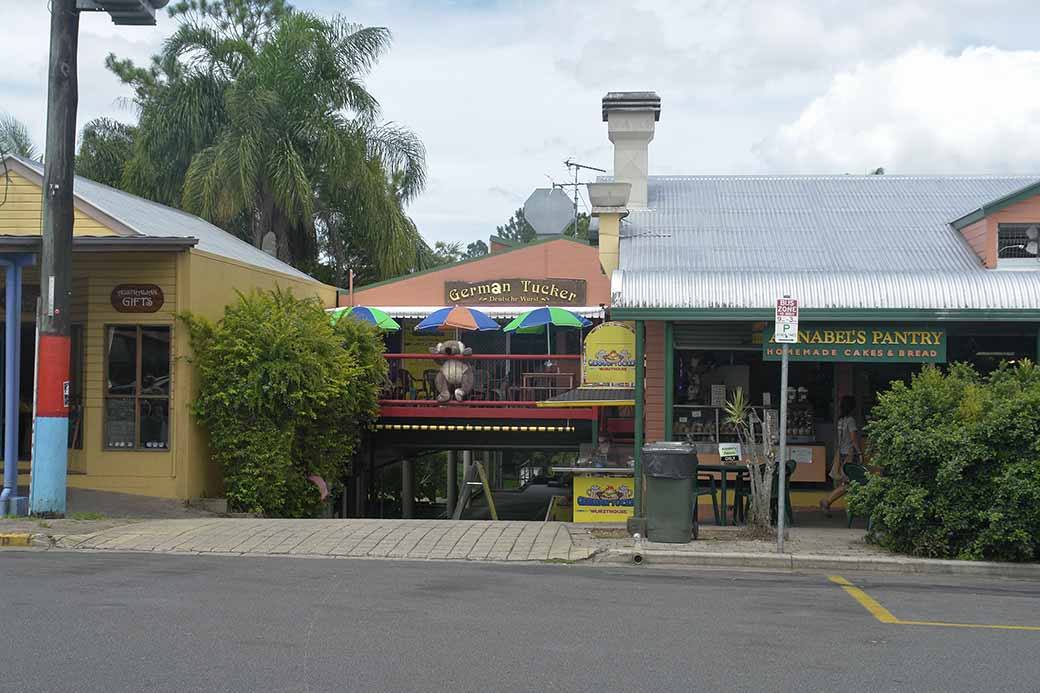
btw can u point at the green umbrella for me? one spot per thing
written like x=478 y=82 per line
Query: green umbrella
x=534 y=321
x=371 y=315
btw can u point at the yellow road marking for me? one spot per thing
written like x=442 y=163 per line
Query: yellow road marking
x=885 y=616
x=866 y=601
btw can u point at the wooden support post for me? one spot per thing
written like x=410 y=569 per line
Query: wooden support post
x=50 y=454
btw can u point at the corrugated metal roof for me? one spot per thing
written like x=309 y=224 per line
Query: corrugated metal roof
x=832 y=241
x=148 y=218
x=934 y=290
x=807 y=222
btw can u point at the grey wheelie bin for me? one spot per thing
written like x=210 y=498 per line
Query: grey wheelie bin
x=671 y=473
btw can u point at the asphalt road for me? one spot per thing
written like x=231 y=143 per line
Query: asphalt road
x=133 y=622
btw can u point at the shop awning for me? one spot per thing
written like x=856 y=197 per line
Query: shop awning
x=593 y=397
x=496 y=312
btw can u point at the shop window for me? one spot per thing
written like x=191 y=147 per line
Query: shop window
x=137 y=394
x=76 y=388
x=1018 y=244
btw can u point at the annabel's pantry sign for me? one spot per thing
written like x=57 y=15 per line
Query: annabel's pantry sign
x=556 y=292
x=862 y=343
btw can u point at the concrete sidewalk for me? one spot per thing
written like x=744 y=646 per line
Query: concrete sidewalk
x=810 y=549
x=404 y=539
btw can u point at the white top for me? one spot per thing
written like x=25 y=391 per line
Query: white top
x=846 y=427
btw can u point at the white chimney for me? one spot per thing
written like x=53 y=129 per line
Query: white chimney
x=630 y=118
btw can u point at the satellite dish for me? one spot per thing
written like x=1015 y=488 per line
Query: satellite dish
x=1033 y=234
x=549 y=211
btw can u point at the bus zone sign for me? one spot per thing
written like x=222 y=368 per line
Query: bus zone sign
x=785 y=330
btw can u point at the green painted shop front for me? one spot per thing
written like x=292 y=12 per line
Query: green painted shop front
x=689 y=362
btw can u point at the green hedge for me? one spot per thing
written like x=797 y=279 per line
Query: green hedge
x=960 y=460
x=284 y=395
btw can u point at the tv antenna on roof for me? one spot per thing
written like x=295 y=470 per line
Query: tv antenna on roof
x=577 y=168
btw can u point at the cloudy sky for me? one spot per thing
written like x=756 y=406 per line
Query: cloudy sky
x=503 y=92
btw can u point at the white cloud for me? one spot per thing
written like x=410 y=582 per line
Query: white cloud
x=921 y=112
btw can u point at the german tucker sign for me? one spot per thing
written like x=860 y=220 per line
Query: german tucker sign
x=862 y=344
x=555 y=292
x=137 y=298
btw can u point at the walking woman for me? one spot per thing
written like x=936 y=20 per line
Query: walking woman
x=849 y=449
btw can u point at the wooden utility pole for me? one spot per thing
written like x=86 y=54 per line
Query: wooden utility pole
x=50 y=442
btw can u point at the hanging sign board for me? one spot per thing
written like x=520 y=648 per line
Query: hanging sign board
x=137 y=298
x=786 y=325
x=608 y=357
x=857 y=343
x=603 y=498
x=555 y=292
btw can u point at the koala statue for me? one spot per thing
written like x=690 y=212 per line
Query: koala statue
x=455 y=378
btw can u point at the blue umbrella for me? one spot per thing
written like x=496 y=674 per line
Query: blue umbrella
x=459 y=318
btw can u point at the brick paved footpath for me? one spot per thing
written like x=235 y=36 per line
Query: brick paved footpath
x=404 y=539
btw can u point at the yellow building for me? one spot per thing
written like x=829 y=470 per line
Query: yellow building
x=136 y=266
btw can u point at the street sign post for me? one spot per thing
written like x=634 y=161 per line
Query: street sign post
x=785 y=333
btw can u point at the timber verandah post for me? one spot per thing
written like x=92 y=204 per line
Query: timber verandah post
x=50 y=442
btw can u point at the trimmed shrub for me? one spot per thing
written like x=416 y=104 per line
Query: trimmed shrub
x=284 y=395
x=960 y=465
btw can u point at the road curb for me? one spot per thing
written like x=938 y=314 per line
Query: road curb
x=19 y=539
x=810 y=562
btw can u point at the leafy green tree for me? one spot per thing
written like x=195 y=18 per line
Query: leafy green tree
x=15 y=138
x=517 y=228
x=105 y=147
x=284 y=395
x=445 y=253
x=959 y=456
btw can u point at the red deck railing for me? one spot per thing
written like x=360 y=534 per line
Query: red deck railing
x=498 y=379
x=502 y=384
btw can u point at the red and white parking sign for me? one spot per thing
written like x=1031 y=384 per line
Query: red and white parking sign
x=786 y=328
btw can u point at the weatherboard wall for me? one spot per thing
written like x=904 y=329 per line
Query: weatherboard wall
x=22 y=212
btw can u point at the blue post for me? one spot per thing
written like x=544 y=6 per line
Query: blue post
x=10 y=503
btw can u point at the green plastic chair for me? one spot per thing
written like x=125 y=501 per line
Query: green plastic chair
x=858 y=473
x=705 y=486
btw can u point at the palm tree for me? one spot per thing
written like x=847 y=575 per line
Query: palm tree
x=15 y=138
x=256 y=117
x=105 y=147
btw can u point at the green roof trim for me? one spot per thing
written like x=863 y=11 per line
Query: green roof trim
x=451 y=265
x=828 y=314
x=997 y=205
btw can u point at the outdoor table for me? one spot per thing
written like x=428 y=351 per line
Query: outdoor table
x=724 y=470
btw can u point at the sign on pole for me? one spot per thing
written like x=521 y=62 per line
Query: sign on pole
x=786 y=329
x=785 y=332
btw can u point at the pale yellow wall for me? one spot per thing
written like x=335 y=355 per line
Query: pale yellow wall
x=152 y=473
x=147 y=472
x=21 y=214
